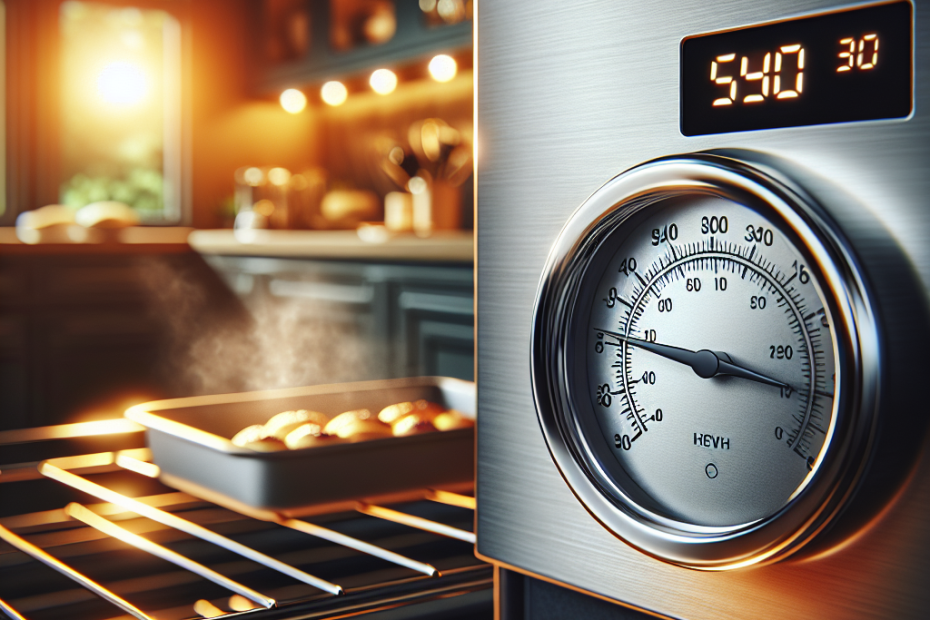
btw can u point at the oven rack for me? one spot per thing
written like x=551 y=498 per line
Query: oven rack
x=153 y=524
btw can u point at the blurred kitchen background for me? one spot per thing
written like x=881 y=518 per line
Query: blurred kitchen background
x=206 y=196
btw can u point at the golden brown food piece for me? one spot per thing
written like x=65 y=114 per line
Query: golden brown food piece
x=282 y=424
x=412 y=424
x=451 y=420
x=348 y=417
x=255 y=438
x=393 y=413
x=363 y=430
x=310 y=435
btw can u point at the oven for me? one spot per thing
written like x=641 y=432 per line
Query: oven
x=702 y=284
x=88 y=530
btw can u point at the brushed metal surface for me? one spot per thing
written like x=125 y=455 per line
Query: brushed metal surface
x=571 y=94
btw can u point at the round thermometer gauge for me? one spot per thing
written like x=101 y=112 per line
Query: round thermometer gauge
x=698 y=362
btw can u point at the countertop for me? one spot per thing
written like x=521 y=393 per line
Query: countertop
x=445 y=246
x=132 y=240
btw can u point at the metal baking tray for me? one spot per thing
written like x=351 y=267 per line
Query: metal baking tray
x=190 y=443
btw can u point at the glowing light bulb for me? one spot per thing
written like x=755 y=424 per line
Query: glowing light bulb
x=254 y=176
x=122 y=83
x=279 y=176
x=442 y=68
x=383 y=81
x=334 y=93
x=293 y=101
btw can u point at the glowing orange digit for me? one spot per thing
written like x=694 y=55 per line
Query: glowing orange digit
x=873 y=60
x=857 y=55
x=787 y=93
x=723 y=80
x=756 y=76
x=847 y=54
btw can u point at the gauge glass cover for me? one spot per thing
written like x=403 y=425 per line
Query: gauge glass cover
x=704 y=280
x=694 y=334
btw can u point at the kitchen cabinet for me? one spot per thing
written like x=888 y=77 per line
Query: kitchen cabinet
x=309 y=41
x=82 y=331
x=387 y=319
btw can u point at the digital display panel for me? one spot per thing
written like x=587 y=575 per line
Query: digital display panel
x=850 y=65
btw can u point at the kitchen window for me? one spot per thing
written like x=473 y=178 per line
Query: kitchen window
x=121 y=108
x=96 y=98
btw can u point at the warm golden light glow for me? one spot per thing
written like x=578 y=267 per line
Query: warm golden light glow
x=293 y=101
x=240 y=603
x=264 y=207
x=80 y=429
x=150 y=470
x=383 y=81
x=452 y=499
x=279 y=176
x=443 y=68
x=334 y=93
x=206 y=609
x=122 y=84
x=253 y=176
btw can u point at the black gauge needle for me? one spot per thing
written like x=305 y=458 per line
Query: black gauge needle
x=704 y=363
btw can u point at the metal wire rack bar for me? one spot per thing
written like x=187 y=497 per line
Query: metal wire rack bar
x=8 y=610
x=418 y=522
x=148 y=469
x=358 y=545
x=166 y=518
x=66 y=469
x=52 y=562
x=79 y=512
x=451 y=499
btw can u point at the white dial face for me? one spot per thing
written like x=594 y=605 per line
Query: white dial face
x=710 y=361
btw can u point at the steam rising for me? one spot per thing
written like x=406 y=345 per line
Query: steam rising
x=277 y=342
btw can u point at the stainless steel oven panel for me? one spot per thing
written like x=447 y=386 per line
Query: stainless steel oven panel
x=570 y=95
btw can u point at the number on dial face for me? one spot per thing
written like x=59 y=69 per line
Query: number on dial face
x=711 y=345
